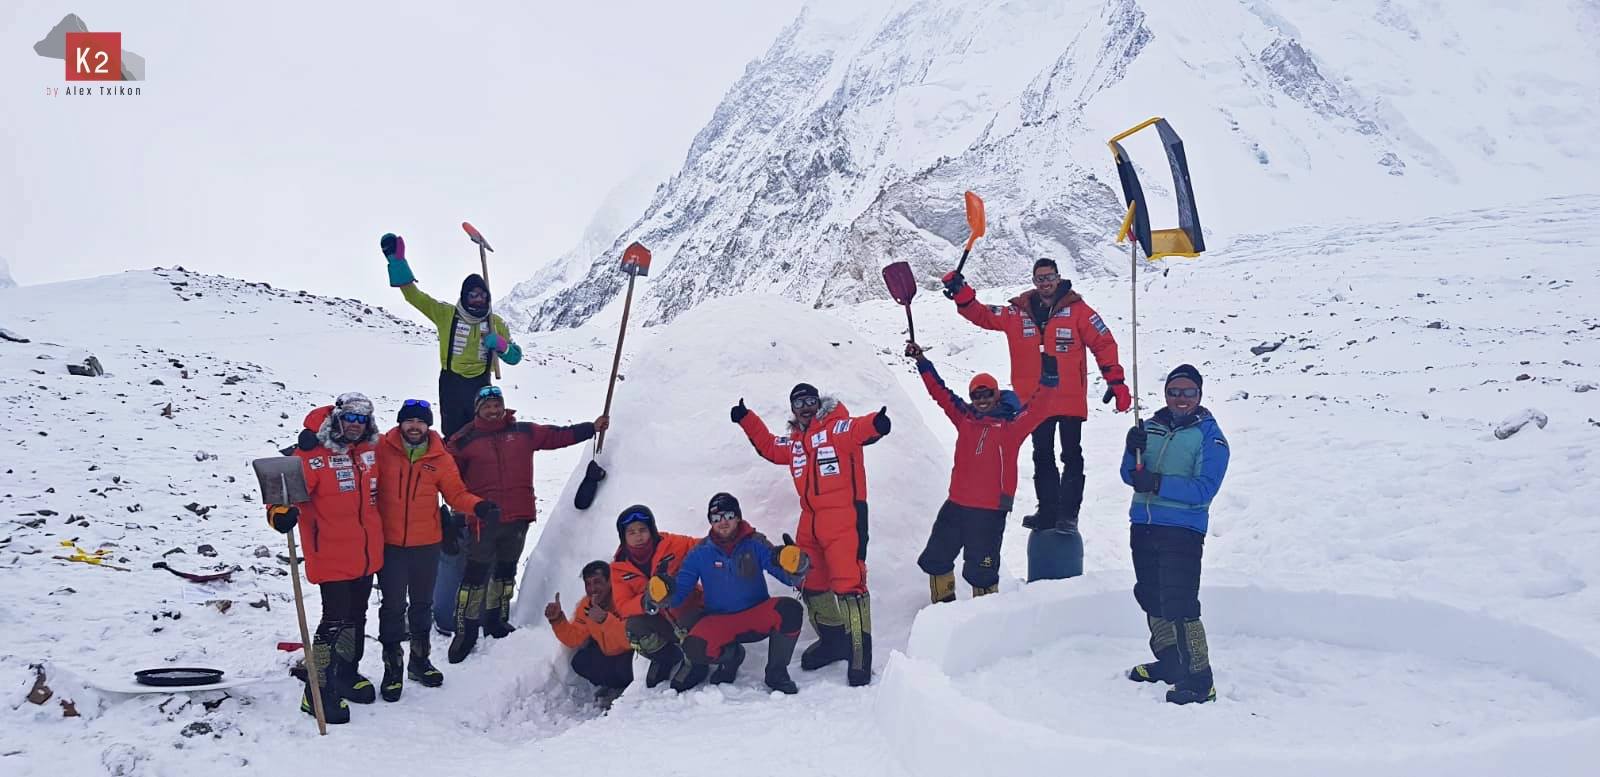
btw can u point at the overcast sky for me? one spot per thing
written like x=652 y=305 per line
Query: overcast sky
x=278 y=141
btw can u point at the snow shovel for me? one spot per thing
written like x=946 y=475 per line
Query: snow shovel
x=284 y=483
x=484 y=250
x=636 y=263
x=902 y=286
x=975 y=223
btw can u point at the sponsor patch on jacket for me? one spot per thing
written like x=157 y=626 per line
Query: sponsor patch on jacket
x=316 y=462
x=430 y=468
x=345 y=474
x=841 y=427
x=827 y=461
x=341 y=460
x=1063 y=340
x=368 y=457
x=797 y=447
x=799 y=462
x=1222 y=442
x=1099 y=326
x=819 y=438
x=995 y=310
x=347 y=486
x=625 y=576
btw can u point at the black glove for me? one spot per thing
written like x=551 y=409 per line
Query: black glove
x=738 y=412
x=1137 y=437
x=880 y=422
x=283 y=517
x=953 y=283
x=1146 y=482
x=487 y=511
x=1049 y=374
x=308 y=440
x=450 y=527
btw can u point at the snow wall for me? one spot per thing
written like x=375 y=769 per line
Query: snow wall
x=671 y=446
x=938 y=729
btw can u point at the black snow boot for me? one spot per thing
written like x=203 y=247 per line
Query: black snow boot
x=780 y=649
x=858 y=622
x=419 y=668
x=334 y=708
x=1164 y=645
x=1196 y=685
x=347 y=678
x=728 y=663
x=394 y=672
x=469 y=606
x=497 y=608
x=689 y=675
x=662 y=664
x=833 y=642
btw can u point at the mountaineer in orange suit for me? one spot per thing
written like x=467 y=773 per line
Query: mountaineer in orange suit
x=417 y=471
x=822 y=448
x=1048 y=331
x=341 y=537
x=643 y=551
x=598 y=632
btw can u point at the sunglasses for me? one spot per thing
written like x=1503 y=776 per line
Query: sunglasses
x=1186 y=393
x=354 y=418
x=804 y=402
x=487 y=391
x=982 y=394
x=722 y=515
x=1049 y=277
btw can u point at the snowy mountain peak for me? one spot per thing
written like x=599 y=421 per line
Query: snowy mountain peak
x=848 y=143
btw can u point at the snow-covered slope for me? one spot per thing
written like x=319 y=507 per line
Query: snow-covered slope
x=1383 y=574
x=848 y=144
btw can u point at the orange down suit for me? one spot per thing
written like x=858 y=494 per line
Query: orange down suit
x=611 y=635
x=830 y=476
x=628 y=581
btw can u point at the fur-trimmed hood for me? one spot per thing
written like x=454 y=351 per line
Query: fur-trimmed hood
x=824 y=411
x=326 y=429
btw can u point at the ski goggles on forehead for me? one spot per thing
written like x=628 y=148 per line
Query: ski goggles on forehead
x=355 y=418
x=1049 y=277
x=422 y=403
x=490 y=391
x=718 y=516
x=635 y=517
x=804 y=402
x=1184 y=393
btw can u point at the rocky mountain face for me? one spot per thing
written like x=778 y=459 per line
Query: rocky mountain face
x=849 y=143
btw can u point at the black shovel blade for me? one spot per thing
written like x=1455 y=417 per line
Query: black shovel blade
x=591 y=483
x=901 y=282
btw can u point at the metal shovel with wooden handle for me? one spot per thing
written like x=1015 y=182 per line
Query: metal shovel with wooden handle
x=284 y=483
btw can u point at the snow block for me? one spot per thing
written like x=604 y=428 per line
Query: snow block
x=671 y=446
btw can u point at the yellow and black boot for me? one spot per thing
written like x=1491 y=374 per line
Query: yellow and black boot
x=1196 y=685
x=497 y=607
x=858 y=623
x=1164 y=645
x=942 y=588
x=419 y=668
x=833 y=642
x=469 y=608
x=394 y=672
x=978 y=591
x=334 y=708
x=347 y=678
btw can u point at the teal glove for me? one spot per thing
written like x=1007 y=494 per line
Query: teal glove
x=394 y=249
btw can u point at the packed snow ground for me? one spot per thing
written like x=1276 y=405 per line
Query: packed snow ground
x=1430 y=587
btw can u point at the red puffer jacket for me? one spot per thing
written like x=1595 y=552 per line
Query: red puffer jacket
x=1072 y=328
x=825 y=457
x=985 y=471
x=340 y=529
x=496 y=460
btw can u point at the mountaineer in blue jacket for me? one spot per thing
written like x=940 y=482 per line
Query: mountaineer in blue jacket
x=729 y=564
x=1175 y=463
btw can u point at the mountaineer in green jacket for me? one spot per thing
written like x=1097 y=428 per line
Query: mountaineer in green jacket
x=468 y=333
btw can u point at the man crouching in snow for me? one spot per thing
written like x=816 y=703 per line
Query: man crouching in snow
x=823 y=451
x=1175 y=463
x=599 y=634
x=341 y=536
x=729 y=563
x=983 y=481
